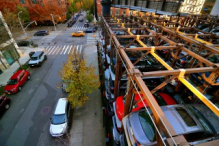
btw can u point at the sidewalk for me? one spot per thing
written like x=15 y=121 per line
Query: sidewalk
x=87 y=127
x=5 y=76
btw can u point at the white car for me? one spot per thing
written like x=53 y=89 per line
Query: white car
x=37 y=58
x=59 y=120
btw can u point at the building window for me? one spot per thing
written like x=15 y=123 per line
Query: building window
x=34 y=1
x=22 y=1
x=10 y=54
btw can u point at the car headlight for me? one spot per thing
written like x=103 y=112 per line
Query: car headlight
x=64 y=129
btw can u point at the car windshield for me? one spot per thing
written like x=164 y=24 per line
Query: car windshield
x=202 y=119
x=58 y=119
x=34 y=58
x=160 y=100
x=12 y=82
x=147 y=126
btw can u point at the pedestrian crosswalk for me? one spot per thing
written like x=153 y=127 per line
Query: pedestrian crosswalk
x=77 y=28
x=91 y=39
x=63 y=49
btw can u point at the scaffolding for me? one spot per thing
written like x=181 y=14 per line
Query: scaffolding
x=150 y=32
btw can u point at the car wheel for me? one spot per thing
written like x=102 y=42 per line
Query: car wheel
x=7 y=106
x=19 y=88
x=45 y=58
x=40 y=64
x=28 y=77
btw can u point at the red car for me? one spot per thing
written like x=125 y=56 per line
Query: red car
x=4 y=104
x=161 y=98
x=16 y=81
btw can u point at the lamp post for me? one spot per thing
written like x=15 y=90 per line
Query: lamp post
x=21 y=23
x=53 y=21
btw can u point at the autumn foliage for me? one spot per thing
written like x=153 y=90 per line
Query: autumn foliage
x=81 y=80
x=8 y=4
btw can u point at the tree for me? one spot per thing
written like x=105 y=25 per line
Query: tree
x=25 y=17
x=81 y=79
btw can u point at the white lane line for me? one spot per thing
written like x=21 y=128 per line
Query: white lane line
x=73 y=50
x=48 y=48
x=70 y=49
x=63 y=49
x=66 y=49
x=81 y=49
x=50 y=51
x=57 y=47
x=76 y=50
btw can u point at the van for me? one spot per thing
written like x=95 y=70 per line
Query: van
x=60 y=118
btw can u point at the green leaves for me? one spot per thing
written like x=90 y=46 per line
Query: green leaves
x=82 y=80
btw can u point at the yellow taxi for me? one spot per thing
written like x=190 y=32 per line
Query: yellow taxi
x=78 y=34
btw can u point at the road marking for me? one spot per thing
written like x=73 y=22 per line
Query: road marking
x=50 y=51
x=76 y=50
x=70 y=49
x=80 y=50
x=53 y=50
x=66 y=49
x=73 y=50
x=48 y=48
x=63 y=49
x=57 y=47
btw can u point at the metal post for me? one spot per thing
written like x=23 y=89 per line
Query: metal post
x=21 y=23
x=53 y=21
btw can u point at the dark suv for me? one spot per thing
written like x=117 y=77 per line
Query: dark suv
x=41 y=33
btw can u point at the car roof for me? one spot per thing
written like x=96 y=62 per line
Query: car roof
x=176 y=121
x=36 y=54
x=61 y=106
x=15 y=75
x=80 y=31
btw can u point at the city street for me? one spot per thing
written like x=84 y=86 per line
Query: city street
x=28 y=119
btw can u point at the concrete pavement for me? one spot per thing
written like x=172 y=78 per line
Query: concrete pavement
x=87 y=127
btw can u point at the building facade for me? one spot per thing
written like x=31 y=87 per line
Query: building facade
x=8 y=46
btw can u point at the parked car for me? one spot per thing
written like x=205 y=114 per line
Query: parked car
x=118 y=107
x=24 y=43
x=78 y=34
x=81 y=19
x=4 y=104
x=16 y=81
x=90 y=30
x=71 y=23
x=37 y=59
x=60 y=119
x=86 y=24
x=197 y=123
x=41 y=33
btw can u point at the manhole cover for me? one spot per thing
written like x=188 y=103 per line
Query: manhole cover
x=45 y=110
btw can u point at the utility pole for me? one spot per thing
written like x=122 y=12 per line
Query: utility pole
x=53 y=21
x=21 y=24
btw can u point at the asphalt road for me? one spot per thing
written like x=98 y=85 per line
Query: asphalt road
x=28 y=119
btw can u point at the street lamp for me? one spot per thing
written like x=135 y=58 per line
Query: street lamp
x=21 y=23
x=53 y=21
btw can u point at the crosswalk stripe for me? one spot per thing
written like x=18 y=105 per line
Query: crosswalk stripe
x=54 y=48
x=81 y=49
x=70 y=49
x=48 y=48
x=73 y=50
x=57 y=47
x=66 y=49
x=50 y=51
x=63 y=49
x=76 y=50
